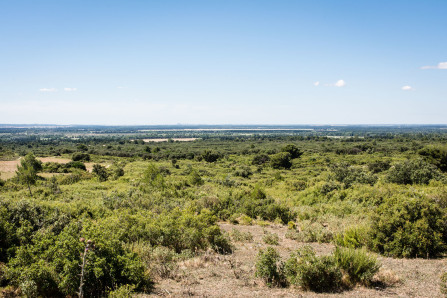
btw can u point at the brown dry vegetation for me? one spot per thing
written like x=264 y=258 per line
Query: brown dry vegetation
x=214 y=275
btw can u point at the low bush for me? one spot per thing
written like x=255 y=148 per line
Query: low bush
x=353 y=237
x=270 y=268
x=240 y=236
x=270 y=238
x=357 y=264
x=281 y=160
x=408 y=227
x=413 y=172
x=348 y=175
x=310 y=272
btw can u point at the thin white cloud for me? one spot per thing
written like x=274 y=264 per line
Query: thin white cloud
x=441 y=65
x=407 y=88
x=340 y=83
x=48 y=90
x=70 y=89
x=316 y=84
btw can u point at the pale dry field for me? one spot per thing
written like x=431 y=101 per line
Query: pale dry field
x=213 y=275
x=8 y=168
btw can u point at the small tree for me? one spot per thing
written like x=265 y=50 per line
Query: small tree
x=27 y=171
x=101 y=172
x=281 y=160
x=294 y=151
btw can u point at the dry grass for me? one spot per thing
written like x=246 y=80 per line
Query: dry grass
x=213 y=275
x=8 y=168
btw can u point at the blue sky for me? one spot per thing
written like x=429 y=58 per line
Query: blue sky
x=223 y=62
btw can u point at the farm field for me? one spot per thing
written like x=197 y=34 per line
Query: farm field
x=224 y=215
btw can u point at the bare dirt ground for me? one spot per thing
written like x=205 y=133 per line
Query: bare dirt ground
x=213 y=275
x=8 y=168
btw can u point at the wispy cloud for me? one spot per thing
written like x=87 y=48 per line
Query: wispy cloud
x=48 y=90
x=70 y=89
x=316 y=84
x=339 y=83
x=407 y=88
x=441 y=65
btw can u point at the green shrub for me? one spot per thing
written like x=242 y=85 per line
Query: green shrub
x=81 y=157
x=359 y=266
x=319 y=274
x=314 y=232
x=239 y=236
x=353 y=237
x=413 y=172
x=293 y=150
x=436 y=155
x=195 y=178
x=244 y=172
x=348 y=175
x=270 y=238
x=443 y=284
x=100 y=172
x=210 y=156
x=125 y=291
x=260 y=159
x=408 y=227
x=270 y=268
x=281 y=160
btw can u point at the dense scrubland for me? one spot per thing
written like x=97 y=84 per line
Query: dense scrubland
x=307 y=211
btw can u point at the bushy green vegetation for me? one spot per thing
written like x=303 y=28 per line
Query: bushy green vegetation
x=148 y=205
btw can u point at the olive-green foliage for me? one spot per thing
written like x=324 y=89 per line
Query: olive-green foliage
x=80 y=157
x=357 y=264
x=100 y=172
x=260 y=159
x=319 y=274
x=379 y=166
x=413 y=172
x=254 y=204
x=27 y=171
x=281 y=160
x=51 y=263
x=408 y=227
x=116 y=171
x=240 y=236
x=353 y=237
x=210 y=156
x=125 y=291
x=436 y=155
x=244 y=172
x=270 y=268
x=347 y=174
x=312 y=232
x=443 y=284
x=153 y=176
x=195 y=178
x=293 y=150
x=270 y=238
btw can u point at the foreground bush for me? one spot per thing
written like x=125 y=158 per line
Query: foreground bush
x=270 y=268
x=408 y=227
x=358 y=266
x=319 y=274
